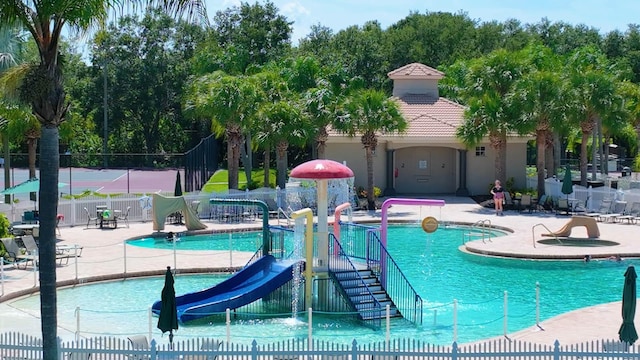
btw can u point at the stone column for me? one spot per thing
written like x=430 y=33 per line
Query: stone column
x=390 y=189
x=462 y=174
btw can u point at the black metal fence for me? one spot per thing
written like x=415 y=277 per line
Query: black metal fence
x=200 y=163
x=114 y=161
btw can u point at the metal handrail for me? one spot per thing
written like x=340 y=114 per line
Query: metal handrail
x=482 y=224
x=335 y=263
x=281 y=211
x=533 y=233
x=397 y=286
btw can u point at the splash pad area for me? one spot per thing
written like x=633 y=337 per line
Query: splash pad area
x=436 y=308
x=432 y=263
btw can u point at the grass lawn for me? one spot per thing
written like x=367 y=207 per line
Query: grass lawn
x=219 y=181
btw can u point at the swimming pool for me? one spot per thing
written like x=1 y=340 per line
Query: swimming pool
x=433 y=264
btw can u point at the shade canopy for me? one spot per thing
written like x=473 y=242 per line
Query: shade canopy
x=321 y=169
x=567 y=182
x=29 y=186
x=627 y=331
x=168 y=319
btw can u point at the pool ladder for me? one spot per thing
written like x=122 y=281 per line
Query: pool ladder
x=533 y=233
x=481 y=228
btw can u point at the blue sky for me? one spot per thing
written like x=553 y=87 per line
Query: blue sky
x=339 y=14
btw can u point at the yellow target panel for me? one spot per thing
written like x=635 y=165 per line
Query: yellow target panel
x=429 y=224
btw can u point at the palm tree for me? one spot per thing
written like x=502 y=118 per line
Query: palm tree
x=590 y=85
x=45 y=21
x=230 y=102
x=538 y=96
x=631 y=93
x=281 y=120
x=370 y=112
x=324 y=102
x=488 y=92
x=11 y=42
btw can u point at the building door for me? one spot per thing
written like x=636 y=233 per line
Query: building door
x=425 y=170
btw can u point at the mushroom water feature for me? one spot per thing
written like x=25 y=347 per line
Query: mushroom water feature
x=321 y=171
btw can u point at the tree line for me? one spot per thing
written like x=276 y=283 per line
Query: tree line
x=153 y=72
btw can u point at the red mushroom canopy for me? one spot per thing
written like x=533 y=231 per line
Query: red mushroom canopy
x=321 y=169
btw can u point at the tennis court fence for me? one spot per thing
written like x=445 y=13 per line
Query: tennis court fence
x=76 y=212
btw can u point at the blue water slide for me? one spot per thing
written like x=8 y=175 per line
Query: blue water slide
x=252 y=283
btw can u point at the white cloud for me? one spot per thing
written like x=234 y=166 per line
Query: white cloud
x=294 y=8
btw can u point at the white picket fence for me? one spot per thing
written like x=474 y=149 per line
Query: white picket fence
x=20 y=346
x=290 y=199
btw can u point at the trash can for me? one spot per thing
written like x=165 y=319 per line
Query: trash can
x=626 y=171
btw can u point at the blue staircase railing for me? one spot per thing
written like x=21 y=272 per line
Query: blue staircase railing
x=363 y=242
x=396 y=284
x=371 y=310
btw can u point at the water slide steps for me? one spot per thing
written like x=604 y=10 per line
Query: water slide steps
x=252 y=283
x=360 y=286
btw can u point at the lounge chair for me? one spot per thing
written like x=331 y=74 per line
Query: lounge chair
x=632 y=215
x=78 y=356
x=605 y=208
x=9 y=250
x=526 y=203
x=91 y=218
x=617 y=209
x=209 y=349
x=508 y=202
x=139 y=343
x=273 y=207
x=563 y=207
x=542 y=204
x=124 y=217
x=31 y=255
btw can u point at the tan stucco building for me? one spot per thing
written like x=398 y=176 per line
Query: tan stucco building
x=427 y=158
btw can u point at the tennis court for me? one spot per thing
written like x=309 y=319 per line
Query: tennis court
x=106 y=181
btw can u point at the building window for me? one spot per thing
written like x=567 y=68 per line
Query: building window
x=480 y=151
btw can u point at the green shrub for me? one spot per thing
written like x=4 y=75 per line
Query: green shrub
x=4 y=226
x=636 y=164
x=362 y=192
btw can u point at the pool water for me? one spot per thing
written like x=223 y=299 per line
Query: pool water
x=433 y=265
x=237 y=241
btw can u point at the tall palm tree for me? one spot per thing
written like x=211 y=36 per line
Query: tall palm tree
x=45 y=21
x=324 y=102
x=281 y=120
x=590 y=86
x=369 y=113
x=538 y=96
x=11 y=41
x=229 y=101
x=631 y=92
x=488 y=91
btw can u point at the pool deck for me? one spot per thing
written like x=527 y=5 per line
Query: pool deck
x=104 y=250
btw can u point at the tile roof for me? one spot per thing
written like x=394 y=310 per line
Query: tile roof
x=427 y=117
x=430 y=117
x=415 y=71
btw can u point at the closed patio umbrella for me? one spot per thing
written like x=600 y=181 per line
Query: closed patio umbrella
x=567 y=182
x=168 y=319
x=178 y=189
x=627 y=331
x=177 y=192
